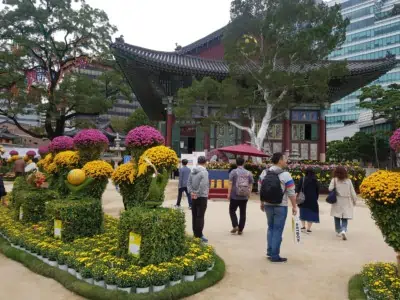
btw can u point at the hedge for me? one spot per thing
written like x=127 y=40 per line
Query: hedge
x=162 y=232
x=80 y=218
x=97 y=293
x=34 y=204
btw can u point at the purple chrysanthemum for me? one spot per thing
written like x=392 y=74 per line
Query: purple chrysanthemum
x=144 y=136
x=395 y=140
x=61 y=143
x=43 y=150
x=14 y=152
x=90 y=138
x=31 y=153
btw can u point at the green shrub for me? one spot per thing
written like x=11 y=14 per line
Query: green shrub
x=34 y=204
x=134 y=195
x=80 y=218
x=156 y=194
x=162 y=232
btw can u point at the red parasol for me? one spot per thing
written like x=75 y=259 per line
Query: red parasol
x=243 y=149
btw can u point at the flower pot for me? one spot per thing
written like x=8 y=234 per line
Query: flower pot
x=72 y=271
x=142 y=290
x=53 y=263
x=88 y=280
x=211 y=267
x=173 y=283
x=99 y=283
x=63 y=267
x=78 y=275
x=111 y=287
x=46 y=260
x=126 y=290
x=188 y=278
x=158 y=288
x=200 y=274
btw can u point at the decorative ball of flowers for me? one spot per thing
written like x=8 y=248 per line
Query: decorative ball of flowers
x=161 y=157
x=382 y=187
x=395 y=140
x=98 y=169
x=143 y=137
x=89 y=138
x=76 y=177
x=13 y=153
x=43 y=150
x=67 y=159
x=61 y=143
x=31 y=154
x=124 y=174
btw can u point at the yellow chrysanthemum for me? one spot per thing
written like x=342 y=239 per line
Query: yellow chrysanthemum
x=15 y=157
x=125 y=173
x=161 y=157
x=98 y=169
x=67 y=159
x=51 y=168
x=382 y=186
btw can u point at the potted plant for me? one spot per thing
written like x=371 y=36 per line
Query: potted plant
x=62 y=261
x=125 y=281
x=141 y=281
x=71 y=263
x=52 y=256
x=189 y=269
x=110 y=279
x=159 y=278
x=202 y=263
x=174 y=272
x=99 y=271
x=86 y=274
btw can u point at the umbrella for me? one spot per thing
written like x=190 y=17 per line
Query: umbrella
x=243 y=149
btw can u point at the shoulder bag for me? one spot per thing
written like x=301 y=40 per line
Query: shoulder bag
x=301 y=198
x=332 y=196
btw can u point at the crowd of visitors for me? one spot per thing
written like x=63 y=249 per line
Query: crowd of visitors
x=277 y=189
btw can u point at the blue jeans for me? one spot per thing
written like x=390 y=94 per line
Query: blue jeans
x=276 y=216
x=340 y=225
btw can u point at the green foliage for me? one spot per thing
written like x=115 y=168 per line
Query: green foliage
x=54 y=38
x=33 y=204
x=162 y=233
x=387 y=218
x=118 y=124
x=138 y=118
x=358 y=148
x=156 y=194
x=135 y=194
x=355 y=289
x=80 y=218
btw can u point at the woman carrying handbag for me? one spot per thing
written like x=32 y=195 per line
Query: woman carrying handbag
x=307 y=199
x=346 y=197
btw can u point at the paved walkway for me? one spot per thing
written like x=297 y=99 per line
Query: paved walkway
x=318 y=269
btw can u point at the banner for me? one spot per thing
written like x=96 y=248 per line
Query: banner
x=57 y=229
x=134 y=243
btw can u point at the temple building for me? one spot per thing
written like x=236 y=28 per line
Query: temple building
x=155 y=78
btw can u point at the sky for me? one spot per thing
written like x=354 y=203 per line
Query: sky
x=159 y=24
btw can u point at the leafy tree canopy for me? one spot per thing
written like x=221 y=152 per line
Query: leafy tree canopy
x=138 y=118
x=276 y=51
x=54 y=40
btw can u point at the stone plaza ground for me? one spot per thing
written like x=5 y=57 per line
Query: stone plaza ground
x=319 y=268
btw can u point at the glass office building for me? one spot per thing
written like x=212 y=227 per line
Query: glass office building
x=374 y=31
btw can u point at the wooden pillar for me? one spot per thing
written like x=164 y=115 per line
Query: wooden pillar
x=170 y=121
x=286 y=135
x=322 y=137
x=207 y=139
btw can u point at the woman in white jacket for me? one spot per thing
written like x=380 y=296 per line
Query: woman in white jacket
x=343 y=209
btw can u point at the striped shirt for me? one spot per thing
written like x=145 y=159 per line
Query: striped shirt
x=287 y=185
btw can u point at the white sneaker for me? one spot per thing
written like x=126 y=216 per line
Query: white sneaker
x=338 y=235
x=344 y=235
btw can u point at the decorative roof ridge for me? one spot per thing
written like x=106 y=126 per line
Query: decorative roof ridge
x=204 y=40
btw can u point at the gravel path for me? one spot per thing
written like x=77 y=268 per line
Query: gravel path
x=317 y=269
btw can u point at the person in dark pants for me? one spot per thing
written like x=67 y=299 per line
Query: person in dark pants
x=198 y=186
x=240 y=186
x=184 y=173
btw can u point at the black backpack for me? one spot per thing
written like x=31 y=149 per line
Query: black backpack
x=271 y=189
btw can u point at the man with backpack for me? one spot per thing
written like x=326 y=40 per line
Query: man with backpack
x=277 y=189
x=240 y=186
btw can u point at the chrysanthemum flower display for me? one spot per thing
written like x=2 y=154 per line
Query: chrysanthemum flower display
x=31 y=153
x=124 y=174
x=98 y=169
x=61 y=143
x=43 y=150
x=163 y=158
x=90 y=143
x=143 y=137
x=13 y=153
x=395 y=140
x=67 y=159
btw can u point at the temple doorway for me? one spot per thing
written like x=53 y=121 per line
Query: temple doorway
x=188 y=139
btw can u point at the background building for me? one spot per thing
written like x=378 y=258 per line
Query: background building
x=373 y=32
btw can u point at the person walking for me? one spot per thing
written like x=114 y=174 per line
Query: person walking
x=184 y=173
x=19 y=167
x=198 y=187
x=346 y=196
x=239 y=191
x=277 y=189
x=309 y=209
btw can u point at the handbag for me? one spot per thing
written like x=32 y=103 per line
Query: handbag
x=301 y=198
x=332 y=196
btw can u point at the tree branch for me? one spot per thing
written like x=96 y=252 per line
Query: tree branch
x=70 y=116
x=244 y=128
x=19 y=126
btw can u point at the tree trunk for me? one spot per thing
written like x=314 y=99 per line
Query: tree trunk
x=262 y=132
x=375 y=142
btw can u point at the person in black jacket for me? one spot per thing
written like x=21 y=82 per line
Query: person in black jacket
x=309 y=210
x=2 y=188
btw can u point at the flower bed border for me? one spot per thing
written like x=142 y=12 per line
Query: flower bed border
x=356 y=289
x=89 y=291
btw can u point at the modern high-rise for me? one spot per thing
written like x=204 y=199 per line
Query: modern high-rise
x=374 y=31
